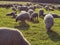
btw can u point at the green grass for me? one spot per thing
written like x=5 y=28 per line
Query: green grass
x=35 y=33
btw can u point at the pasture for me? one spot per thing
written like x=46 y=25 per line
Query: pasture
x=35 y=33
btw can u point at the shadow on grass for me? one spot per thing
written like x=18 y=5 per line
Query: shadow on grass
x=53 y=36
x=35 y=22
x=22 y=26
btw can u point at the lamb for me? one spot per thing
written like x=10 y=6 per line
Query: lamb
x=23 y=16
x=49 y=21
x=9 y=36
x=34 y=15
x=30 y=11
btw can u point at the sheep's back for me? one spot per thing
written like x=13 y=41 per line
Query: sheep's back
x=11 y=37
x=49 y=20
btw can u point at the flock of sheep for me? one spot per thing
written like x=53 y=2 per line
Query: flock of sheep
x=27 y=12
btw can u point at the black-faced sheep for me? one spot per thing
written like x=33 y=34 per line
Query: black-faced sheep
x=30 y=11
x=41 y=13
x=23 y=16
x=9 y=36
x=34 y=17
x=49 y=21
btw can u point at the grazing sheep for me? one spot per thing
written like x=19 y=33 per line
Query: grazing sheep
x=41 y=13
x=30 y=11
x=9 y=36
x=55 y=15
x=34 y=16
x=23 y=8
x=23 y=16
x=51 y=9
x=10 y=14
x=49 y=21
x=6 y=5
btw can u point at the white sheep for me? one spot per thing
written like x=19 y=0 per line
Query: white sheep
x=9 y=36
x=49 y=21
x=23 y=16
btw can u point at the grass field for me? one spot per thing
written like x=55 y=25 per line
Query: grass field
x=35 y=33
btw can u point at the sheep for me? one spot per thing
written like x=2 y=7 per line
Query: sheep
x=49 y=21
x=55 y=15
x=27 y=4
x=13 y=8
x=23 y=16
x=51 y=9
x=10 y=36
x=30 y=11
x=46 y=8
x=11 y=14
x=38 y=6
x=25 y=8
x=32 y=7
x=34 y=15
x=41 y=12
x=15 y=5
x=6 y=5
x=19 y=8
x=58 y=7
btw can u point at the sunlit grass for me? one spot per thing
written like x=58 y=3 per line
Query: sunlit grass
x=36 y=33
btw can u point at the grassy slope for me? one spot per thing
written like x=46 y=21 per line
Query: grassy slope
x=36 y=34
